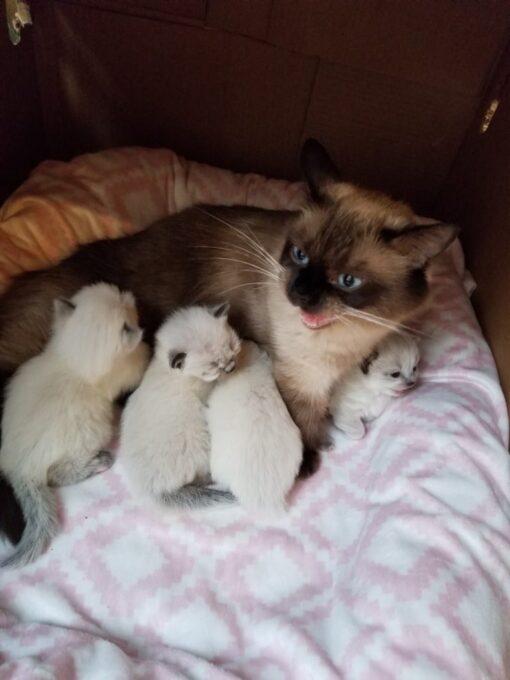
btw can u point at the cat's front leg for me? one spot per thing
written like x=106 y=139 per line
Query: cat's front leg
x=309 y=411
x=353 y=427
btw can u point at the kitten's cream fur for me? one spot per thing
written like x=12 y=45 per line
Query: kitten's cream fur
x=364 y=393
x=164 y=441
x=59 y=409
x=256 y=448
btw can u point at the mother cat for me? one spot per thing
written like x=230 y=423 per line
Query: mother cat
x=318 y=287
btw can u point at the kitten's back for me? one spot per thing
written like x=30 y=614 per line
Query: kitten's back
x=256 y=448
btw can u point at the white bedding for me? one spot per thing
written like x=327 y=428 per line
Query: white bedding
x=394 y=560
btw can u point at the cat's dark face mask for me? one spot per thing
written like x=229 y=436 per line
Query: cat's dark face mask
x=355 y=253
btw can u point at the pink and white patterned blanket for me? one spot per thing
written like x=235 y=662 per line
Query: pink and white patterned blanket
x=393 y=561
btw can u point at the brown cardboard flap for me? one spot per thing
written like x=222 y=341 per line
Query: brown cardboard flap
x=439 y=43
x=248 y=17
x=477 y=195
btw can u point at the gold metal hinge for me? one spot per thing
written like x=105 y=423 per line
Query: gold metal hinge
x=18 y=16
x=489 y=115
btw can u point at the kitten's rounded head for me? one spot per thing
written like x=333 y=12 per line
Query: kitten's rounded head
x=95 y=327
x=199 y=342
x=351 y=251
x=393 y=367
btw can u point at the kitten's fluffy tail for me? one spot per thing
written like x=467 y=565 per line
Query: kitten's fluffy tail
x=40 y=510
x=192 y=497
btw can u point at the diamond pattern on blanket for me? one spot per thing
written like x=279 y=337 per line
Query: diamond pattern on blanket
x=146 y=559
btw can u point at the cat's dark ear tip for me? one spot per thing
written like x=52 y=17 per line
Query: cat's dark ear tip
x=313 y=153
x=63 y=307
x=318 y=169
x=221 y=309
x=457 y=229
x=311 y=145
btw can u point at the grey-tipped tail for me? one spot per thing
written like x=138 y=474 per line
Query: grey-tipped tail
x=192 y=497
x=40 y=511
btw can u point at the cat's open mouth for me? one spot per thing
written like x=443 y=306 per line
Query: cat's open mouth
x=316 y=320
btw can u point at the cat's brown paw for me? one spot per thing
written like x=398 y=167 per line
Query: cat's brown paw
x=310 y=464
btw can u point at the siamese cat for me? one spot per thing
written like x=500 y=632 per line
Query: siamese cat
x=59 y=409
x=318 y=288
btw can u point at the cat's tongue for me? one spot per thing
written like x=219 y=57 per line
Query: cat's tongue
x=315 y=321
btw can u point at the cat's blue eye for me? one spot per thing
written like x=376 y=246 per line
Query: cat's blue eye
x=299 y=256
x=395 y=374
x=349 y=282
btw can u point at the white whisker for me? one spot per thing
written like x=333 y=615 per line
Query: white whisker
x=369 y=316
x=344 y=320
x=239 y=249
x=253 y=241
x=243 y=285
x=384 y=323
x=254 y=267
x=377 y=322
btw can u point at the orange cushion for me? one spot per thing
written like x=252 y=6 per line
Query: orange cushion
x=113 y=193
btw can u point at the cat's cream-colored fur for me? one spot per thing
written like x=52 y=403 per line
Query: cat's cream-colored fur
x=164 y=440
x=256 y=448
x=367 y=389
x=59 y=410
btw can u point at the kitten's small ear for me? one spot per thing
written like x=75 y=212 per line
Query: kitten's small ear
x=422 y=242
x=365 y=364
x=319 y=170
x=220 y=310
x=132 y=336
x=177 y=359
x=63 y=307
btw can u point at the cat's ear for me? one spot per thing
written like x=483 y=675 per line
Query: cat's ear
x=422 y=242
x=319 y=170
x=365 y=364
x=62 y=307
x=220 y=310
x=131 y=336
x=177 y=359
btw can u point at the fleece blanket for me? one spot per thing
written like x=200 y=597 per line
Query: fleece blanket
x=392 y=562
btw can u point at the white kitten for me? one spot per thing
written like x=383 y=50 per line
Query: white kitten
x=363 y=394
x=256 y=448
x=164 y=441
x=59 y=408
